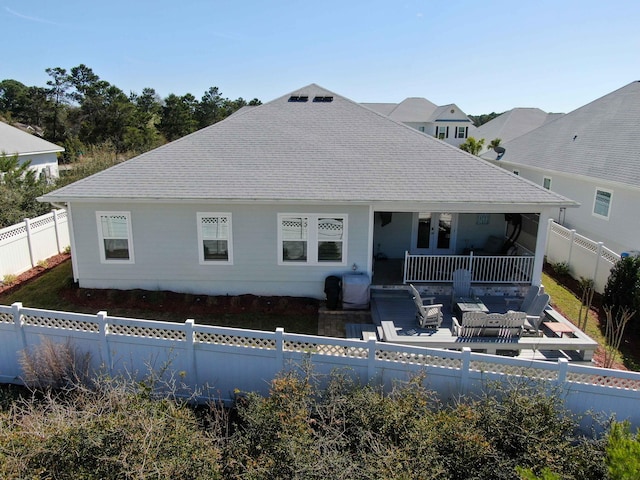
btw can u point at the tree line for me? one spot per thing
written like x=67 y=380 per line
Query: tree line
x=77 y=108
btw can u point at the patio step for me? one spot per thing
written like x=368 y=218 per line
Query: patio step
x=354 y=331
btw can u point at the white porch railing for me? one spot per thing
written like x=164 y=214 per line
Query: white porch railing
x=484 y=269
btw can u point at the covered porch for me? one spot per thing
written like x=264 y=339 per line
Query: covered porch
x=426 y=248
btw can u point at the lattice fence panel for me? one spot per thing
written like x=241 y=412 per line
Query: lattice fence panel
x=13 y=232
x=61 y=323
x=6 y=318
x=614 y=382
x=146 y=332
x=42 y=222
x=418 y=359
x=305 y=347
x=512 y=370
x=235 y=340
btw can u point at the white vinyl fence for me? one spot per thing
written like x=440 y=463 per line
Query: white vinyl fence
x=25 y=244
x=224 y=360
x=586 y=258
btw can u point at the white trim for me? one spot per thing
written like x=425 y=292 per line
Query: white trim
x=229 y=239
x=101 y=238
x=313 y=239
x=593 y=207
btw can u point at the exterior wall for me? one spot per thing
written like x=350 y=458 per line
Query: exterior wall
x=620 y=232
x=165 y=244
x=43 y=161
x=472 y=235
x=394 y=239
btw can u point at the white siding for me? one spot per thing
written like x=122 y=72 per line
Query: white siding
x=165 y=240
x=620 y=232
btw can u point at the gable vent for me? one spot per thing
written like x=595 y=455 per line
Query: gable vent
x=298 y=98
x=323 y=99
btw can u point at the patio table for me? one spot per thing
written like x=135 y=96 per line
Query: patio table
x=558 y=328
x=470 y=305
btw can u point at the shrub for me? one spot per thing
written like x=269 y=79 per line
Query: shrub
x=622 y=291
x=54 y=365
x=623 y=452
x=113 y=431
x=561 y=269
x=9 y=279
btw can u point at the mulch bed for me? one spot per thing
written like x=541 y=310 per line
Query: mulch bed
x=35 y=272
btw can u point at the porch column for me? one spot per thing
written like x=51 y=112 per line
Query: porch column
x=541 y=247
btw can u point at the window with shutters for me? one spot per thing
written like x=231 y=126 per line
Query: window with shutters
x=312 y=239
x=442 y=132
x=461 y=132
x=214 y=238
x=114 y=234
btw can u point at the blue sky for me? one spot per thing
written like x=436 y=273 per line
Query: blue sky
x=482 y=55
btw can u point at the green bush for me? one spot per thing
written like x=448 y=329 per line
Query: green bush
x=623 y=453
x=622 y=291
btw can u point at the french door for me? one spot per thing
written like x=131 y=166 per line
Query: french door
x=434 y=233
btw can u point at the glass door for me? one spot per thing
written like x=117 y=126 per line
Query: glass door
x=433 y=233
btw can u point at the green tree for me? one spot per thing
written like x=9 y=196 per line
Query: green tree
x=472 y=145
x=178 y=116
x=19 y=188
x=59 y=96
x=494 y=143
x=622 y=291
x=210 y=108
x=14 y=98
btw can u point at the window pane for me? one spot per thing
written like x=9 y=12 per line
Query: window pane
x=330 y=251
x=294 y=251
x=117 y=249
x=114 y=226
x=215 y=227
x=603 y=200
x=215 y=250
x=294 y=228
x=330 y=229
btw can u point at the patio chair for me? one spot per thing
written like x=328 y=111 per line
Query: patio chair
x=461 y=286
x=470 y=324
x=428 y=315
x=525 y=303
x=535 y=312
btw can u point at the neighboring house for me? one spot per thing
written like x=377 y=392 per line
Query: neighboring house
x=512 y=124
x=274 y=200
x=43 y=155
x=446 y=122
x=591 y=155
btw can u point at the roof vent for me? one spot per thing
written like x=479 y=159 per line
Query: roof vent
x=322 y=99
x=298 y=98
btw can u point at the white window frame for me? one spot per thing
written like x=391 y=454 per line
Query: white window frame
x=544 y=183
x=595 y=201
x=313 y=238
x=102 y=238
x=228 y=239
x=461 y=132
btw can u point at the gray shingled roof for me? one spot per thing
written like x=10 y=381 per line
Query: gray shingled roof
x=513 y=123
x=598 y=140
x=412 y=109
x=309 y=151
x=14 y=141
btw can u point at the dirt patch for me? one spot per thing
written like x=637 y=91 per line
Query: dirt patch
x=187 y=304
